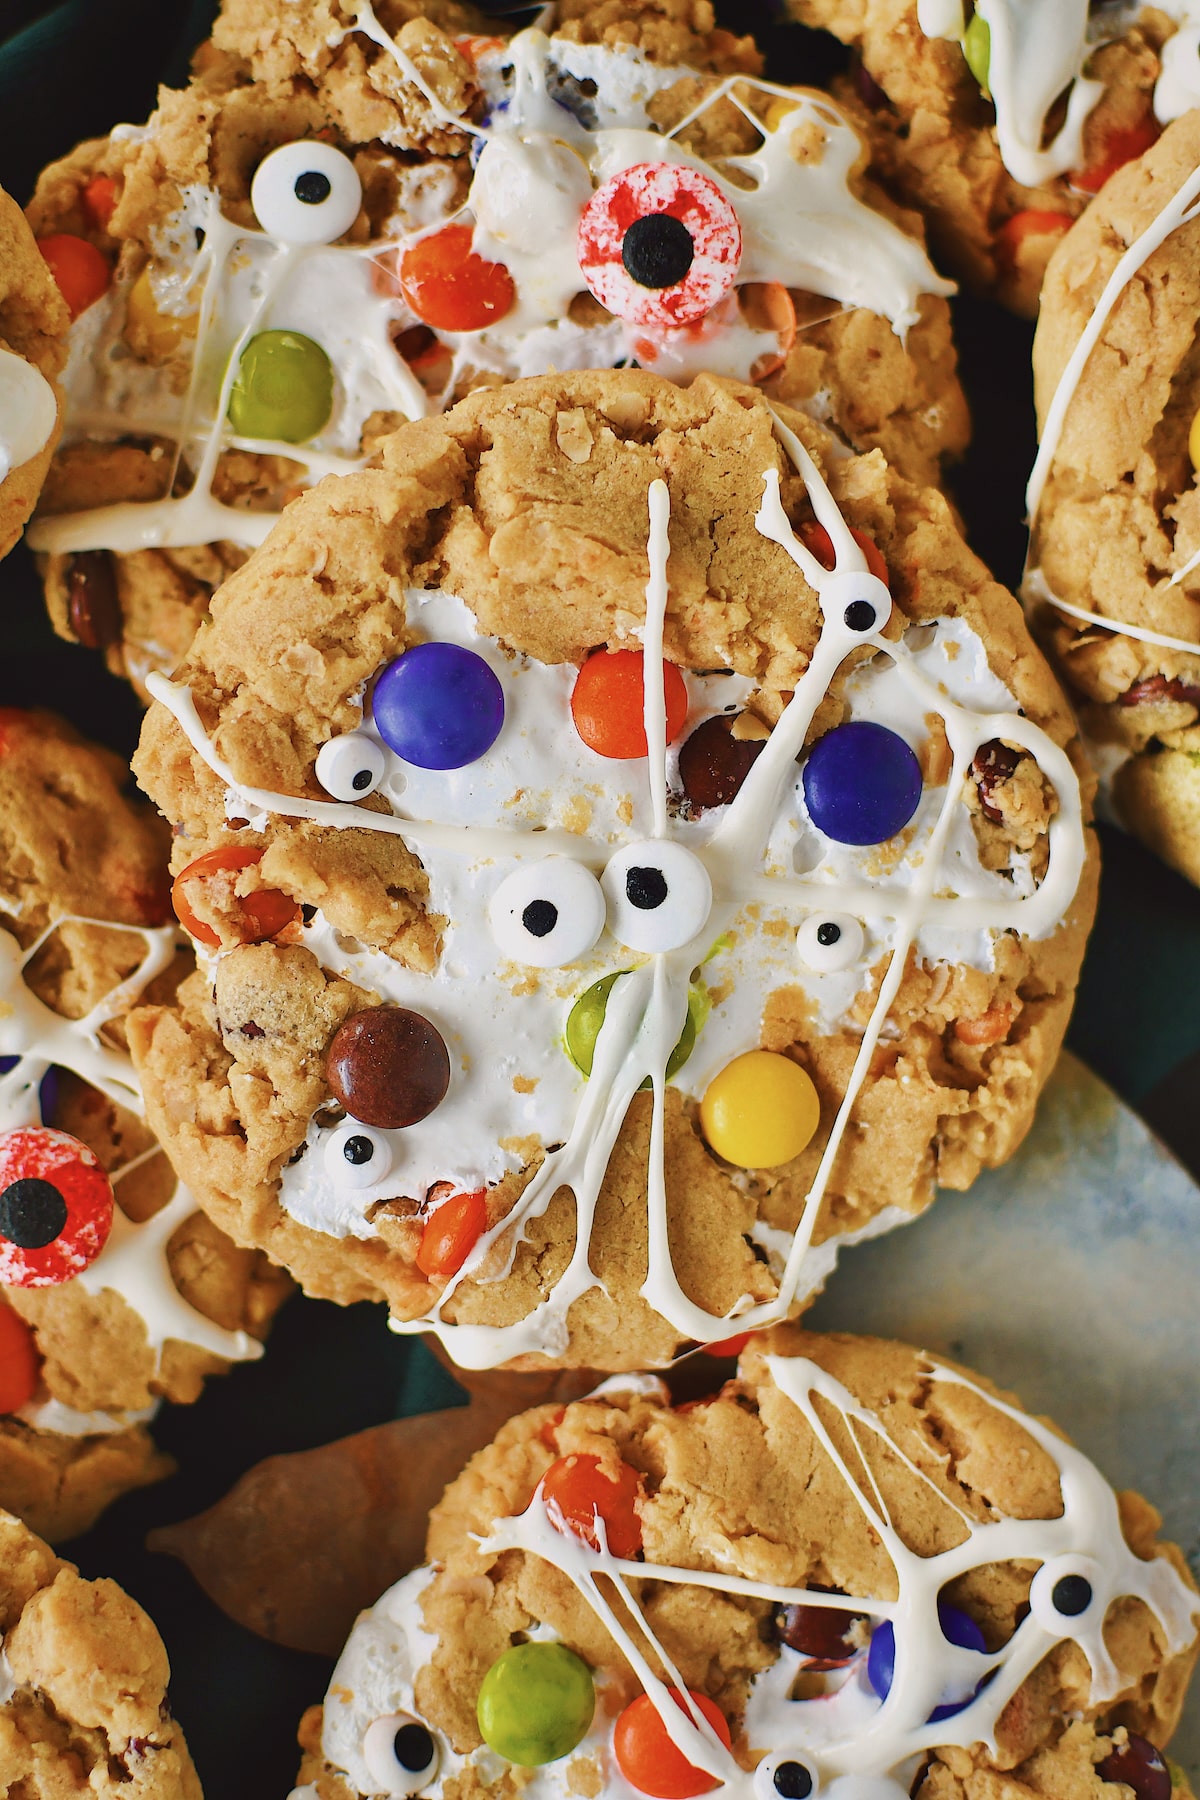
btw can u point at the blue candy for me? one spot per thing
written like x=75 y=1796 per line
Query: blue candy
x=862 y=783
x=958 y=1627
x=439 y=706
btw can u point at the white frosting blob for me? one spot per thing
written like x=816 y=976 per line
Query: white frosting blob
x=28 y=411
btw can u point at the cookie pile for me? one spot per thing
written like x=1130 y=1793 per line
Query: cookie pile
x=613 y=846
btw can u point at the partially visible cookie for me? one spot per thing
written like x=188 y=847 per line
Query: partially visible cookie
x=33 y=325
x=868 y=1571
x=457 y=918
x=1114 y=561
x=115 y=1293
x=479 y=207
x=83 y=1686
x=1000 y=120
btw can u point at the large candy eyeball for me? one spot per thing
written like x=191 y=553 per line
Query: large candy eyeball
x=659 y=895
x=356 y=1156
x=56 y=1207
x=352 y=766
x=548 y=913
x=828 y=942
x=306 y=193
x=401 y=1754
x=659 y=244
x=1066 y=1596
x=784 y=1776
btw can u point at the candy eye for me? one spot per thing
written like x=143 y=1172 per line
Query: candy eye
x=401 y=1754
x=659 y=244
x=351 y=767
x=56 y=1207
x=784 y=1777
x=357 y=1157
x=306 y=193
x=827 y=942
x=1064 y=1595
x=548 y=913
x=439 y=706
x=659 y=895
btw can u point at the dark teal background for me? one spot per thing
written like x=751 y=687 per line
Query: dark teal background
x=72 y=71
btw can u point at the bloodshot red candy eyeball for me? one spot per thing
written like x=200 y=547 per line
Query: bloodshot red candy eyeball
x=56 y=1207
x=659 y=244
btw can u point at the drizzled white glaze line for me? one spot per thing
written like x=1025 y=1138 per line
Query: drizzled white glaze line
x=654 y=709
x=1036 y=587
x=28 y=411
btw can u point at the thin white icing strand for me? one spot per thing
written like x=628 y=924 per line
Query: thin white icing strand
x=1036 y=587
x=28 y=411
x=654 y=710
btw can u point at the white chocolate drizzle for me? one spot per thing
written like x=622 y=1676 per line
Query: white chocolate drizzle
x=28 y=411
x=851 y=1741
x=745 y=848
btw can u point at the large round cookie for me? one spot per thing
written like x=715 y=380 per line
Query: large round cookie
x=843 y=982
x=871 y=1572
x=479 y=208
x=1000 y=120
x=1114 y=561
x=115 y=1293
x=83 y=1686
x=33 y=324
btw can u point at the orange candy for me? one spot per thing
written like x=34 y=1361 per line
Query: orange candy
x=81 y=272
x=451 y=288
x=451 y=1233
x=606 y=703
x=1117 y=148
x=100 y=198
x=582 y=1490
x=989 y=1028
x=19 y=1362
x=814 y=537
x=730 y=1346
x=649 y=1759
x=264 y=914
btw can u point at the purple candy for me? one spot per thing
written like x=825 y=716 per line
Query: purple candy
x=439 y=706
x=958 y=1627
x=862 y=783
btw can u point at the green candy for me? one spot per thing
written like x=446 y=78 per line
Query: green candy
x=977 y=48
x=283 y=389
x=587 y=1015
x=536 y=1703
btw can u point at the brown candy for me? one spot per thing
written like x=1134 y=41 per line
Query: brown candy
x=713 y=763
x=93 y=608
x=388 y=1067
x=822 y=1633
x=994 y=762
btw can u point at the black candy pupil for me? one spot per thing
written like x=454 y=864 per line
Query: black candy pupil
x=860 y=615
x=361 y=780
x=312 y=187
x=828 y=934
x=792 y=1781
x=32 y=1213
x=358 y=1150
x=539 y=918
x=646 y=888
x=657 y=251
x=414 y=1748
x=1072 y=1595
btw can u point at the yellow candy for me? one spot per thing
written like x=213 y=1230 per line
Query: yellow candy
x=778 y=111
x=1194 y=443
x=153 y=336
x=761 y=1110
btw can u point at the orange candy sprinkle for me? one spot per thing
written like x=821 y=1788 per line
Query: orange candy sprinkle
x=451 y=1233
x=606 y=703
x=82 y=273
x=582 y=1489
x=449 y=286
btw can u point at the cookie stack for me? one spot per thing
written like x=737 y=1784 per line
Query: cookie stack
x=621 y=848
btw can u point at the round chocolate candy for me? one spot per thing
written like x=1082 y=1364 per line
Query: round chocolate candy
x=713 y=763
x=388 y=1067
x=1140 y=1765
x=439 y=706
x=93 y=607
x=862 y=783
x=957 y=1627
x=823 y=1634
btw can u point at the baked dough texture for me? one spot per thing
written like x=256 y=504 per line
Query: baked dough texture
x=33 y=325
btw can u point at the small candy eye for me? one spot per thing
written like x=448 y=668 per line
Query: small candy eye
x=357 y=1157
x=401 y=1754
x=659 y=895
x=306 y=193
x=1064 y=1595
x=56 y=1207
x=351 y=767
x=784 y=1777
x=548 y=913
x=827 y=942
x=659 y=244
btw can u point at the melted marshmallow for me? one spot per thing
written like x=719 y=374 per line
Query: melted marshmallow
x=28 y=411
x=498 y=1021
x=851 y=1741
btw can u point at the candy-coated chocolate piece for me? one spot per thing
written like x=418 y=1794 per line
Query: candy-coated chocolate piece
x=255 y=917
x=823 y=1634
x=1194 y=442
x=451 y=1233
x=439 y=706
x=93 y=604
x=1140 y=1765
x=56 y=1207
x=648 y=1756
x=659 y=244
x=607 y=703
x=388 y=1066
x=452 y=288
x=713 y=763
x=306 y=193
x=957 y=1627
x=587 y=1015
x=977 y=48
x=536 y=1703
x=20 y=1364
x=760 y=1111
x=815 y=538
x=862 y=783
x=100 y=197
x=283 y=390
x=80 y=270
x=155 y=336
x=578 y=1489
